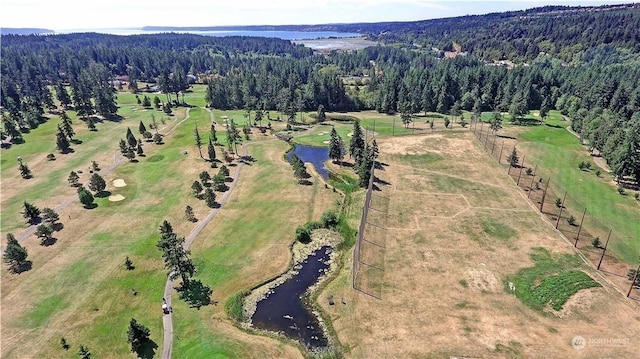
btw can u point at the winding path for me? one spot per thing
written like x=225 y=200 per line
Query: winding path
x=167 y=319
x=117 y=161
x=600 y=162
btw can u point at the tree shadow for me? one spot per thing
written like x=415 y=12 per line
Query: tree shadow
x=91 y=206
x=147 y=349
x=114 y=118
x=76 y=141
x=554 y=126
x=305 y=182
x=26 y=266
x=103 y=194
x=228 y=179
x=49 y=242
x=377 y=179
x=58 y=227
x=195 y=293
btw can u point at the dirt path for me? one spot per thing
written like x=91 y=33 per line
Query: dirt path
x=600 y=162
x=167 y=319
x=117 y=161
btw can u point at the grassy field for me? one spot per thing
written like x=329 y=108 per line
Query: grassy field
x=557 y=154
x=455 y=232
x=79 y=289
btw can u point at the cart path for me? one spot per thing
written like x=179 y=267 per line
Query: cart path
x=167 y=319
x=600 y=162
x=117 y=161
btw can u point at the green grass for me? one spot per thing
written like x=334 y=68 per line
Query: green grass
x=557 y=154
x=552 y=281
x=44 y=310
x=498 y=230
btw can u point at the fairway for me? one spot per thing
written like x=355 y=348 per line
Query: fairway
x=455 y=231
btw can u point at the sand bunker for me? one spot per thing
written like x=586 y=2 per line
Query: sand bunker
x=350 y=134
x=119 y=183
x=116 y=198
x=321 y=133
x=326 y=142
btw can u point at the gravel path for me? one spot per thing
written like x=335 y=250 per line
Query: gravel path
x=167 y=319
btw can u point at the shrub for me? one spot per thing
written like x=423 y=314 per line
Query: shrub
x=329 y=219
x=621 y=190
x=303 y=234
x=598 y=173
x=51 y=157
x=572 y=220
x=596 y=242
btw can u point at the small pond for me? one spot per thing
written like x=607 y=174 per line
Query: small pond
x=315 y=155
x=283 y=310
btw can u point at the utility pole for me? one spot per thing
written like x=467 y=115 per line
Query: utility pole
x=605 y=249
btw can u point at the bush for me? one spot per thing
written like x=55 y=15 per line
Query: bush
x=596 y=242
x=303 y=234
x=329 y=219
x=572 y=220
x=637 y=196
x=51 y=157
x=621 y=190
x=598 y=173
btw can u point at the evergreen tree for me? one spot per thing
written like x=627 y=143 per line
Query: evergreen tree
x=50 y=216
x=142 y=128
x=91 y=125
x=66 y=126
x=62 y=143
x=139 y=150
x=146 y=102
x=356 y=145
x=198 y=141
x=197 y=188
x=188 y=213
x=31 y=213
x=336 y=148
x=97 y=183
x=131 y=139
x=205 y=177
x=84 y=352
x=211 y=151
x=513 y=158
x=495 y=124
x=63 y=95
x=209 y=197
x=15 y=255
x=25 y=172
x=85 y=197
x=212 y=133
x=73 y=179
x=322 y=116
x=44 y=232
x=123 y=147
x=137 y=336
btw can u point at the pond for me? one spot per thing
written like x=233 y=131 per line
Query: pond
x=315 y=155
x=284 y=311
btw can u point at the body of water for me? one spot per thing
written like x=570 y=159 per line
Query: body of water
x=283 y=310
x=286 y=35
x=315 y=155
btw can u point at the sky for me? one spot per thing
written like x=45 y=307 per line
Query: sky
x=92 y=14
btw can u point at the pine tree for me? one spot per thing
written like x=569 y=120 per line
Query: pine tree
x=31 y=213
x=212 y=133
x=44 y=232
x=142 y=128
x=209 y=197
x=85 y=197
x=336 y=150
x=131 y=139
x=15 y=255
x=513 y=158
x=84 y=352
x=197 y=188
x=356 y=145
x=97 y=183
x=139 y=150
x=73 y=179
x=198 y=141
x=211 y=151
x=123 y=147
x=50 y=216
x=137 y=336
x=90 y=125
x=25 y=172
x=188 y=213
x=205 y=177
x=62 y=143
x=66 y=126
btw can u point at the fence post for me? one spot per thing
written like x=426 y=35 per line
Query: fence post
x=493 y=145
x=605 y=249
x=633 y=282
x=521 y=168
x=580 y=229
x=561 y=208
x=500 y=157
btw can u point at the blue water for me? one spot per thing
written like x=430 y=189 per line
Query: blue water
x=315 y=155
x=286 y=35
x=283 y=310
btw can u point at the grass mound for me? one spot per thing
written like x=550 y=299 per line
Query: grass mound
x=552 y=281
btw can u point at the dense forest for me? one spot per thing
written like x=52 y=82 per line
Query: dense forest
x=601 y=96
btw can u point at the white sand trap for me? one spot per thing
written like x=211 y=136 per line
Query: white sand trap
x=325 y=142
x=119 y=183
x=321 y=133
x=116 y=198
x=350 y=134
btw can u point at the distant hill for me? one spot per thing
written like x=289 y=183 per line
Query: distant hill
x=24 y=31
x=561 y=31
